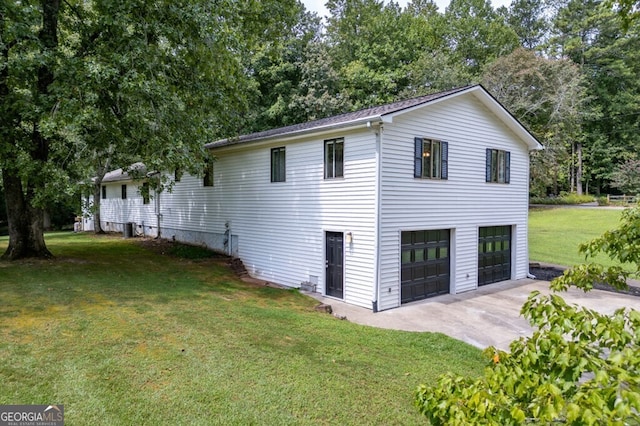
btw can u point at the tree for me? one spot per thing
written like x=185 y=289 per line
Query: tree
x=476 y=34
x=89 y=84
x=578 y=367
x=528 y=20
x=29 y=52
x=548 y=96
x=626 y=177
x=592 y=34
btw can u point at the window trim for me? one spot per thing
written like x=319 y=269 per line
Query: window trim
x=279 y=164
x=419 y=154
x=498 y=166
x=335 y=168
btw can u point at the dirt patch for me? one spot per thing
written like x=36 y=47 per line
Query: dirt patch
x=180 y=250
x=548 y=273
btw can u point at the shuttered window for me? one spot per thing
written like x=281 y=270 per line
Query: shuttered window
x=431 y=159
x=498 y=166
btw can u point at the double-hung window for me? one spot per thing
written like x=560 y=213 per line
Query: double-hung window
x=334 y=158
x=431 y=159
x=278 y=165
x=498 y=168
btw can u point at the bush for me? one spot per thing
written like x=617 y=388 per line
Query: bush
x=564 y=198
x=578 y=367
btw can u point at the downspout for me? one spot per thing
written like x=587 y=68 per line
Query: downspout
x=376 y=283
x=158 y=214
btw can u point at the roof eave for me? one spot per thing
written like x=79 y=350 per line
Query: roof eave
x=364 y=121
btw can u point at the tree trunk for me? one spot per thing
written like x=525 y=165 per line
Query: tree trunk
x=26 y=224
x=579 y=169
x=97 y=197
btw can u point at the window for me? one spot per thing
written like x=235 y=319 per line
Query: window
x=498 y=166
x=177 y=175
x=124 y=192
x=145 y=193
x=431 y=159
x=208 y=173
x=104 y=192
x=278 y=168
x=333 y=158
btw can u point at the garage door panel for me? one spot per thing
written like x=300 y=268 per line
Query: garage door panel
x=494 y=254
x=425 y=264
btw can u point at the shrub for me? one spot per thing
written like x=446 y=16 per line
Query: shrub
x=564 y=198
x=578 y=367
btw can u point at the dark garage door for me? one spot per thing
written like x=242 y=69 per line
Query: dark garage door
x=425 y=264
x=494 y=254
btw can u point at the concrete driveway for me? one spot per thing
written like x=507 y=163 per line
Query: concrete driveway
x=489 y=316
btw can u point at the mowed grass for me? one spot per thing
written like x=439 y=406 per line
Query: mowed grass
x=555 y=234
x=123 y=335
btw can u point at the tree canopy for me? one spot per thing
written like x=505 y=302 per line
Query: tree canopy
x=89 y=86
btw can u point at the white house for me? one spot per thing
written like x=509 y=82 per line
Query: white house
x=377 y=207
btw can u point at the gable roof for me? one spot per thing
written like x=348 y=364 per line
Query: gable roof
x=385 y=113
x=122 y=174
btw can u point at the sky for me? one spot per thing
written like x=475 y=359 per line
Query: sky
x=318 y=5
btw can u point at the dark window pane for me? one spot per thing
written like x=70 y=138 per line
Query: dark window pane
x=339 y=156
x=278 y=168
x=426 y=159
x=328 y=159
x=436 y=171
x=207 y=180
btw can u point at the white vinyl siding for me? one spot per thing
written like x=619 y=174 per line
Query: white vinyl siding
x=116 y=211
x=463 y=203
x=280 y=228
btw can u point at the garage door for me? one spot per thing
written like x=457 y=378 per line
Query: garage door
x=425 y=264
x=494 y=254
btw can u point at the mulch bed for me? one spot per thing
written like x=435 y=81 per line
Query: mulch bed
x=548 y=273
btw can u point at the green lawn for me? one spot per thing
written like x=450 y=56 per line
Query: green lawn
x=123 y=335
x=555 y=234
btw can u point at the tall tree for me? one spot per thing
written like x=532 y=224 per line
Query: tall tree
x=84 y=80
x=477 y=35
x=593 y=36
x=29 y=52
x=548 y=96
x=528 y=18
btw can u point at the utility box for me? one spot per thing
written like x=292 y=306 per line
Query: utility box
x=128 y=230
